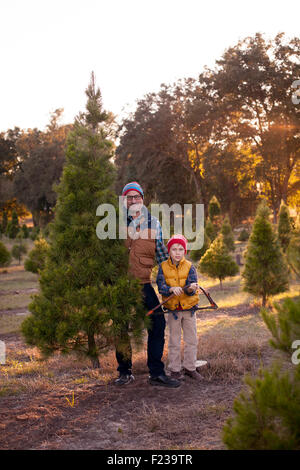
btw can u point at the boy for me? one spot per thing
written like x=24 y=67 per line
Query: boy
x=173 y=275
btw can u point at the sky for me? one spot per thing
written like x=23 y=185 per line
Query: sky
x=50 y=47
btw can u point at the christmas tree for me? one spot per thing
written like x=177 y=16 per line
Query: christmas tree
x=210 y=230
x=214 y=208
x=195 y=255
x=13 y=226
x=37 y=256
x=267 y=412
x=217 y=262
x=227 y=232
x=293 y=252
x=5 y=256
x=86 y=296
x=266 y=272
x=284 y=227
x=20 y=248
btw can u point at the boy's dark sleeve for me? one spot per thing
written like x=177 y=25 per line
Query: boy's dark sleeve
x=192 y=277
x=163 y=288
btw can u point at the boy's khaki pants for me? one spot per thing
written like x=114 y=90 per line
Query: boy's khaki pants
x=188 y=324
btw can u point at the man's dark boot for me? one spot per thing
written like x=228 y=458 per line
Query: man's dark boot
x=164 y=381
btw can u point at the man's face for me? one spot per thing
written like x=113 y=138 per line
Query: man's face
x=134 y=202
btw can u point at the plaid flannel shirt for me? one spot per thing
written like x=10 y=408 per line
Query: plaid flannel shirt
x=147 y=221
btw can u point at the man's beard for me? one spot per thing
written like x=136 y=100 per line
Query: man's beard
x=135 y=209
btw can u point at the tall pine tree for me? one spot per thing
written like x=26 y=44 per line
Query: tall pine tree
x=86 y=297
x=284 y=227
x=293 y=252
x=265 y=272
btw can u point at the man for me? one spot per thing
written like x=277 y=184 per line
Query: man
x=144 y=242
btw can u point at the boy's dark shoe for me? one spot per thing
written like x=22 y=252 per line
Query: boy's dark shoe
x=164 y=381
x=124 y=379
x=194 y=375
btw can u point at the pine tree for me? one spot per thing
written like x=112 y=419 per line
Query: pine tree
x=285 y=325
x=266 y=272
x=25 y=231
x=4 y=222
x=86 y=297
x=195 y=255
x=19 y=249
x=293 y=252
x=243 y=236
x=5 y=256
x=267 y=412
x=214 y=208
x=217 y=262
x=210 y=230
x=13 y=226
x=227 y=232
x=284 y=227
x=37 y=257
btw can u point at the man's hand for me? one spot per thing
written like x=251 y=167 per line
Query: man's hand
x=176 y=290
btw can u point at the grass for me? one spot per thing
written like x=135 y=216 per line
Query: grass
x=11 y=323
x=18 y=280
x=229 y=342
x=12 y=301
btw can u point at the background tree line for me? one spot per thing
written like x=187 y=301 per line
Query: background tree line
x=233 y=132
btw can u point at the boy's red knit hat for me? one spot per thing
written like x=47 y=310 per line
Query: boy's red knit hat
x=177 y=239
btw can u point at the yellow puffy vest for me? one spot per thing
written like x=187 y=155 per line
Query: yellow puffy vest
x=177 y=276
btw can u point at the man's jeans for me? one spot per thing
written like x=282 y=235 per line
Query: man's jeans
x=156 y=338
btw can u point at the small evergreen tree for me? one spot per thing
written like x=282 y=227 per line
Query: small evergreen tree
x=86 y=297
x=37 y=257
x=285 y=325
x=266 y=272
x=267 y=413
x=243 y=236
x=227 y=232
x=214 y=208
x=284 y=227
x=210 y=230
x=217 y=262
x=293 y=253
x=34 y=233
x=13 y=227
x=195 y=255
x=25 y=231
x=19 y=249
x=4 y=222
x=5 y=256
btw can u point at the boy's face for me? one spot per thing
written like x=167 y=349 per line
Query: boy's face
x=176 y=252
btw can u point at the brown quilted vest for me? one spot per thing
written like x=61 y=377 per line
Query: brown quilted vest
x=141 y=253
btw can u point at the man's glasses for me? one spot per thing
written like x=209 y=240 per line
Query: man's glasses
x=132 y=198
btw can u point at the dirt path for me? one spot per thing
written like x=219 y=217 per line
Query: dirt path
x=136 y=416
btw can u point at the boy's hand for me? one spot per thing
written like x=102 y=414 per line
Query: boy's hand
x=176 y=290
x=193 y=287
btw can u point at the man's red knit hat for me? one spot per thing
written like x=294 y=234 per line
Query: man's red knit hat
x=177 y=239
